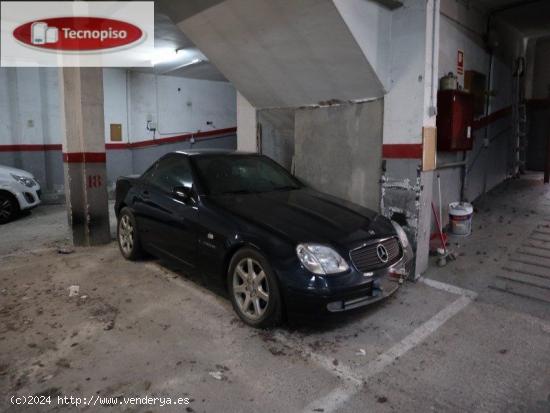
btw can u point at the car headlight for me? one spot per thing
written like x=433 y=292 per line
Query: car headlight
x=401 y=234
x=28 y=182
x=320 y=259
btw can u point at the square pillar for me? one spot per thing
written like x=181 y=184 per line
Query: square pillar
x=409 y=120
x=247 y=127
x=84 y=157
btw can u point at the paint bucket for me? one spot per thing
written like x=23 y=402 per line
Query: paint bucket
x=460 y=217
x=449 y=82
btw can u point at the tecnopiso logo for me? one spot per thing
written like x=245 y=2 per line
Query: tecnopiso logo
x=78 y=33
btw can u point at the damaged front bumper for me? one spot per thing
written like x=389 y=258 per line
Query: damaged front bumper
x=381 y=285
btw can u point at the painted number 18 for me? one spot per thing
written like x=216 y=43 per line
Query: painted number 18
x=94 y=181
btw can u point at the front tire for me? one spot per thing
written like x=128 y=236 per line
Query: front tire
x=127 y=236
x=253 y=289
x=9 y=208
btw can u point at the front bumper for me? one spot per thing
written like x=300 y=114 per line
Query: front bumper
x=365 y=291
x=28 y=197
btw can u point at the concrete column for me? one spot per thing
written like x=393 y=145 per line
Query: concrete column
x=81 y=91
x=409 y=109
x=246 y=125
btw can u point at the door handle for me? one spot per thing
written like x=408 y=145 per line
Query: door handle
x=145 y=195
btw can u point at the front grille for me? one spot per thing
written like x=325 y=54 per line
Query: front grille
x=28 y=197
x=366 y=258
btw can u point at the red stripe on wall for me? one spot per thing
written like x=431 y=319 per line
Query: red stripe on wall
x=493 y=117
x=414 y=151
x=402 y=151
x=30 y=148
x=172 y=139
x=84 y=157
x=140 y=144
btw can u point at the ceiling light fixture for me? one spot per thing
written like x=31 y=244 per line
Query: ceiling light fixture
x=164 y=55
x=193 y=62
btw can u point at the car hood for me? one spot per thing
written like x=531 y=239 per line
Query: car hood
x=305 y=215
x=6 y=170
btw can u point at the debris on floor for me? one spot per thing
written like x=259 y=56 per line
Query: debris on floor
x=65 y=250
x=74 y=290
x=218 y=375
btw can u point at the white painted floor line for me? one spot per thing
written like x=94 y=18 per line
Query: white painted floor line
x=326 y=363
x=352 y=382
x=453 y=289
x=335 y=399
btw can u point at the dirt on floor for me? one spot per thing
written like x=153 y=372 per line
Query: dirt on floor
x=506 y=259
x=87 y=324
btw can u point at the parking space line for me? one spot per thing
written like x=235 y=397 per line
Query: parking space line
x=352 y=382
x=453 y=289
x=333 y=400
x=326 y=363
x=340 y=395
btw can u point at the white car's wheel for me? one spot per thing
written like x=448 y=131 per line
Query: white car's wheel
x=8 y=207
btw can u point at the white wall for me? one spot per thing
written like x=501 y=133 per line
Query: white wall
x=116 y=104
x=30 y=105
x=407 y=105
x=371 y=25
x=9 y=135
x=487 y=165
x=177 y=105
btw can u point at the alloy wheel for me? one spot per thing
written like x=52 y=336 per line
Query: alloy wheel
x=250 y=288
x=6 y=209
x=126 y=234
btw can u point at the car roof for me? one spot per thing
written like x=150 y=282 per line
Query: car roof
x=198 y=152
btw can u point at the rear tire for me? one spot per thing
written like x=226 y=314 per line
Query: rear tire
x=9 y=207
x=253 y=289
x=128 y=236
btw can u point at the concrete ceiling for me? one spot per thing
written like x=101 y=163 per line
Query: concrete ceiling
x=181 y=10
x=494 y=4
x=283 y=53
x=168 y=39
x=532 y=20
x=530 y=17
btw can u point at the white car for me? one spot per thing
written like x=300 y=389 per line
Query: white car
x=19 y=190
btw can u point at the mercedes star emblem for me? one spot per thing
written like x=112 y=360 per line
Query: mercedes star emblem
x=382 y=253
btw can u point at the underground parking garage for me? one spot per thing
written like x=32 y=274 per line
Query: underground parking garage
x=317 y=206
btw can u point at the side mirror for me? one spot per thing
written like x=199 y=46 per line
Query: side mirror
x=183 y=193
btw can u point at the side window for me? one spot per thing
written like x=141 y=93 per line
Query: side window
x=169 y=173
x=150 y=171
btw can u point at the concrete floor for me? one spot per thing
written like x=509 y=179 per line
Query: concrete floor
x=449 y=343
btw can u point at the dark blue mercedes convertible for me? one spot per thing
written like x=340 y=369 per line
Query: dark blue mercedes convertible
x=279 y=245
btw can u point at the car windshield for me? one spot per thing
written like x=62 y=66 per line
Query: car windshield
x=242 y=174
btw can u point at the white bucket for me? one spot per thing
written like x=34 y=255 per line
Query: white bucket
x=460 y=216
